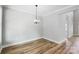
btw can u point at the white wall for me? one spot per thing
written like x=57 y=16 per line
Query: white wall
x=54 y=27
x=76 y=22
x=69 y=21
x=54 y=24
x=0 y=25
x=19 y=27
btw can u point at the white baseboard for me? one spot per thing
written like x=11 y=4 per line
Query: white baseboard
x=76 y=35
x=56 y=41
x=0 y=50
x=20 y=42
x=32 y=40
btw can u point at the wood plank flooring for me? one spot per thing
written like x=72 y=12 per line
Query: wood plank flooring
x=40 y=46
x=74 y=48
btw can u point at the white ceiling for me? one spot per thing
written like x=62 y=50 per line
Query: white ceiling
x=42 y=9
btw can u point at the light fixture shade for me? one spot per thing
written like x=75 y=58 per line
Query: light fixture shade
x=36 y=21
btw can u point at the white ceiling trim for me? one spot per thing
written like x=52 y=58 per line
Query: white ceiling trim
x=63 y=10
x=58 y=11
x=18 y=10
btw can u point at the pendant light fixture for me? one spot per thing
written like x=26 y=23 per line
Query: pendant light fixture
x=36 y=21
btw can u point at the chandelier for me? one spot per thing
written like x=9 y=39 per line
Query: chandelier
x=36 y=21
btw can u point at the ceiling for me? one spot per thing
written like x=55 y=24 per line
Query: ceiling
x=42 y=9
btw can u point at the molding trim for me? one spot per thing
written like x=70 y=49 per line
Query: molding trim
x=70 y=37
x=27 y=41
x=17 y=10
x=56 y=41
x=63 y=10
x=20 y=42
x=76 y=35
x=0 y=50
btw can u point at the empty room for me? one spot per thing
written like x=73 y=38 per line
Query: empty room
x=39 y=29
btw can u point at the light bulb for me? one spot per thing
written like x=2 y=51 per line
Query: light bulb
x=36 y=21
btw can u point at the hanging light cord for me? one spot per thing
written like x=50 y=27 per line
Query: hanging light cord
x=36 y=10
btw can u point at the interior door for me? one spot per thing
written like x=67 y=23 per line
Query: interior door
x=68 y=23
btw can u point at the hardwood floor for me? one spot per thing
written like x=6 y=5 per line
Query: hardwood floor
x=74 y=48
x=41 y=46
